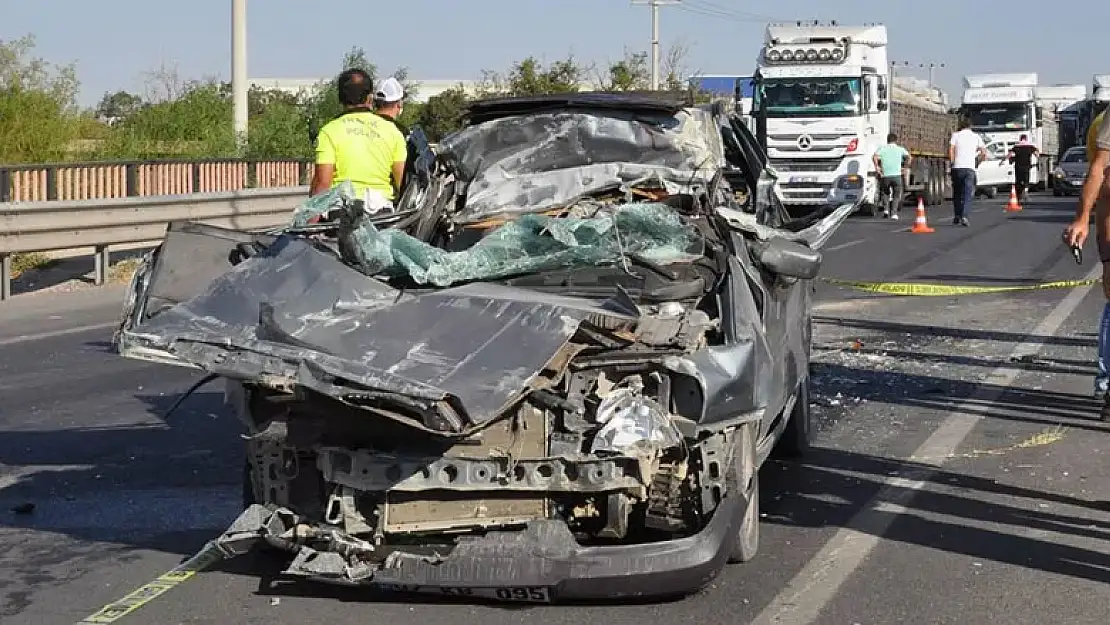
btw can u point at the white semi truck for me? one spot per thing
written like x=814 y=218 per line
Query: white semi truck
x=824 y=103
x=1003 y=107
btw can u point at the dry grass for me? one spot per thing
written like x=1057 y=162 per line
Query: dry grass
x=28 y=261
x=121 y=272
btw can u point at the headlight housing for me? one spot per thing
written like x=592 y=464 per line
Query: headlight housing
x=851 y=181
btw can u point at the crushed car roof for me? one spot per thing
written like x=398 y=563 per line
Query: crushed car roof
x=494 y=108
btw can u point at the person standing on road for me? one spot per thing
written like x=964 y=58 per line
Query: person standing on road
x=359 y=145
x=890 y=160
x=1021 y=156
x=1094 y=196
x=965 y=151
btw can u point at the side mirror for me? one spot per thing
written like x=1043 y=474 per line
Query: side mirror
x=789 y=258
x=881 y=106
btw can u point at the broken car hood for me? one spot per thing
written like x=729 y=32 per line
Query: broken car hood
x=295 y=317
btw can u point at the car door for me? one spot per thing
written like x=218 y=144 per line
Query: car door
x=996 y=171
x=785 y=302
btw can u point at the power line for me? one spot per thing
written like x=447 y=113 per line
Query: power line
x=712 y=9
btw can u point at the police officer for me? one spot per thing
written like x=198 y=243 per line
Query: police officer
x=359 y=145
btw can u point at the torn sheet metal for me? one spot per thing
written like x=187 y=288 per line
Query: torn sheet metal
x=815 y=236
x=478 y=346
x=530 y=163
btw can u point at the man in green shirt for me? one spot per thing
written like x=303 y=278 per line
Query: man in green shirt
x=889 y=161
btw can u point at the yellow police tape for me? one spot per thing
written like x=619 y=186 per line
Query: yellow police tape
x=935 y=290
x=148 y=592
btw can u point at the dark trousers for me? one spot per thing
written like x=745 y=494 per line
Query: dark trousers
x=963 y=190
x=1021 y=181
x=892 y=192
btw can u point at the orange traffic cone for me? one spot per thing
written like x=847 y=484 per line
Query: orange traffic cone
x=920 y=226
x=1013 y=205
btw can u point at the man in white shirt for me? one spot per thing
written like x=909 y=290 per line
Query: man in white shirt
x=966 y=150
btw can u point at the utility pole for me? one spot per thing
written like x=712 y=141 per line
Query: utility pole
x=654 y=4
x=239 y=69
x=932 y=66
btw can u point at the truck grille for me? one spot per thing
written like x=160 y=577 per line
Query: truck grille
x=807 y=165
x=805 y=192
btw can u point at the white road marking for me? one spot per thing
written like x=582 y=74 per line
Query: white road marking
x=801 y=602
x=10 y=475
x=844 y=245
x=15 y=340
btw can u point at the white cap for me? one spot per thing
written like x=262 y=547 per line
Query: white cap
x=390 y=90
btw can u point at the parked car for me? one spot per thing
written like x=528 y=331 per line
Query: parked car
x=1070 y=174
x=551 y=371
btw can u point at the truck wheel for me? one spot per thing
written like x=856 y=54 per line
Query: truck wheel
x=938 y=182
x=930 y=186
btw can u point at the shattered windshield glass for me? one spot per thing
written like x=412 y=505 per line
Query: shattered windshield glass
x=531 y=243
x=531 y=162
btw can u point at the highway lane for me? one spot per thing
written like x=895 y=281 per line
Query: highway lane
x=993 y=534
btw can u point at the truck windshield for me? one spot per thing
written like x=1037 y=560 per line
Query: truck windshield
x=998 y=117
x=792 y=97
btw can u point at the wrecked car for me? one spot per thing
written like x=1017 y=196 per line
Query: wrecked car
x=551 y=371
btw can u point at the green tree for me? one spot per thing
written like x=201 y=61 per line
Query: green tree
x=443 y=113
x=38 y=108
x=196 y=124
x=531 y=77
x=632 y=73
x=118 y=106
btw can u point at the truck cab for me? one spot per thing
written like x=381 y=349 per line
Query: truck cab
x=821 y=95
x=1003 y=107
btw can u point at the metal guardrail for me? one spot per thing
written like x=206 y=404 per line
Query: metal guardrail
x=99 y=223
x=116 y=179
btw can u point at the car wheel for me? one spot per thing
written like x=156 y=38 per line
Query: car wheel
x=990 y=192
x=747 y=538
x=1057 y=193
x=795 y=436
x=744 y=474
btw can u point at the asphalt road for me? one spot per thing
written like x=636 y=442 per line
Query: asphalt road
x=958 y=477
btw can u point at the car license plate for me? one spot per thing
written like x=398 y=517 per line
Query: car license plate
x=521 y=594
x=803 y=179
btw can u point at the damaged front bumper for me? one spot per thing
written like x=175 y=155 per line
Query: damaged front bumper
x=542 y=563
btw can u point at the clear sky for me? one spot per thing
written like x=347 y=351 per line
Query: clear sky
x=114 y=42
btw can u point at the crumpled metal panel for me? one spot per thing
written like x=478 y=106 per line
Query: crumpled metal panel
x=735 y=378
x=815 y=236
x=530 y=163
x=480 y=344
